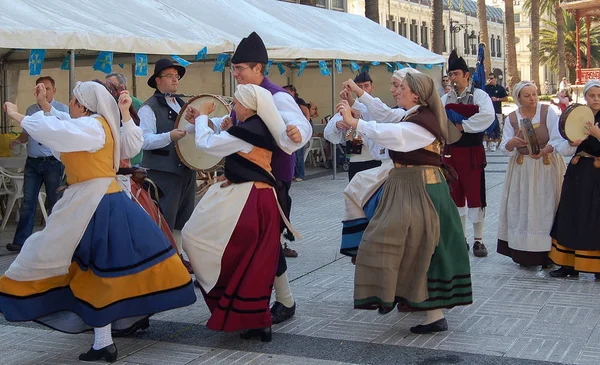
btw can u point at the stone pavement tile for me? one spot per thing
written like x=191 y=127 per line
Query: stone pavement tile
x=193 y=314
x=226 y=357
x=326 y=310
x=302 y=325
x=553 y=330
x=339 y=295
x=350 y=331
x=373 y=316
x=575 y=299
x=533 y=283
x=166 y=353
x=519 y=295
x=580 y=286
x=401 y=336
x=476 y=343
x=502 y=308
x=564 y=350
x=572 y=315
x=303 y=295
x=493 y=325
x=590 y=355
x=17 y=356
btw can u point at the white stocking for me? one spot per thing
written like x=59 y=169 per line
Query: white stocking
x=283 y=293
x=433 y=315
x=102 y=337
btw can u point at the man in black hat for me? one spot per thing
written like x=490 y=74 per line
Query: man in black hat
x=472 y=112
x=248 y=66
x=364 y=154
x=157 y=118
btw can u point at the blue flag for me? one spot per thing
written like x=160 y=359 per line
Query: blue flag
x=479 y=74
x=440 y=65
x=390 y=68
x=338 y=66
x=36 y=61
x=221 y=60
x=269 y=63
x=302 y=67
x=121 y=65
x=104 y=62
x=281 y=68
x=201 y=54
x=399 y=65
x=365 y=68
x=66 y=63
x=324 y=69
x=429 y=66
x=375 y=63
x=180 y=60
x=141 y=64
x=354 y=66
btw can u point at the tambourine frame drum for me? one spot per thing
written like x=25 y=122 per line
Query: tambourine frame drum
x=186 y=147
x=571 y=124
x=529 y=135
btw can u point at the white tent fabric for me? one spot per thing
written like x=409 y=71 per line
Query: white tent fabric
x=183 y=27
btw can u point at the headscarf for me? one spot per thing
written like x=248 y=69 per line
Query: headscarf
x=517 y=90
x=97 y=99
x=261 y=100
x=115 y=90
x=401 y=74
x=429 y=96
x=590 y=84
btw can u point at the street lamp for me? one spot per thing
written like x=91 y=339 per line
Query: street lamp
x=456 y=27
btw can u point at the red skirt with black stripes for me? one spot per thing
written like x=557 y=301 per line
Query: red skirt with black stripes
x=240 y=299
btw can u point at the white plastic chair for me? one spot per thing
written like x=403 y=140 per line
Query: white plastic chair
x=315 y=150
x=42 y=202
x=11 y=184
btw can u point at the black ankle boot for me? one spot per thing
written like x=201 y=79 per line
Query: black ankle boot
x=265 y=334
x=108 y=353
x=564 y=271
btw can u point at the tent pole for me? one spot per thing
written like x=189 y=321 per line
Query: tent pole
x=231 y=85
x=71 y=72
x=3 y=96
x=333 y=149
x=133 y=80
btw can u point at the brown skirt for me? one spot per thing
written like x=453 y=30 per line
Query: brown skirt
x=397 y=246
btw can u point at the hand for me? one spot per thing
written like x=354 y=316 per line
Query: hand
x=346 y=94
x=191 y=114
x=10 y=108
x=40 y=92
x=226 y=124
x=575 y=143
x=345 y=111
x=293 y=133
x=515 y=142
x=592 y=129
x=355 y=113
x=494 y=98
x=124 y=101
x=15 y=142
x=351 y=85
x=342 y=126
x=454 y=117
x=177 y=134
x=207 y=108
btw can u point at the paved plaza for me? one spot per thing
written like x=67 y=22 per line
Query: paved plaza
x=519 y=315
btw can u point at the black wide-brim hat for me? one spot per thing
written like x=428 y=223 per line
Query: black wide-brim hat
x=163 y=64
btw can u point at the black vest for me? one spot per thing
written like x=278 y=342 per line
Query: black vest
x=164 y=159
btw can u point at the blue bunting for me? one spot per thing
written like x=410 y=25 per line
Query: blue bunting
x=36 y=61
x=104 y=62
x=141 y=65
x=201 y=54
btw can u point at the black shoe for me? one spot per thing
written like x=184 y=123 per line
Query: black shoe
x=597 y=276
x=108 y=353
x=14 y=247
x=437 y=326
x=479 y=249
x=265 y=334
x=564 y=271
x=197 y=284
x=139 y=325
x=281 y=313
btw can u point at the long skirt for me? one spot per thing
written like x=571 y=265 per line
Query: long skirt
x=576 y=228
x=529 y=202
x=240 y=298
x=122 y=271
x=413 y=251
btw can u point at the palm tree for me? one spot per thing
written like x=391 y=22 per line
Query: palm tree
x=483 y=36
x=372 y=10
x=534 y=45
x=549 y=37
x=511 y=50
x=553 y=7
x=437 y=32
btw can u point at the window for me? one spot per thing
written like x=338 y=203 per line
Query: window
x=425 y=35
x=414 y=28
x=498 y=47
x=517 y=18
x=337 y=4
x=402 y=28
x=321 y=3
x=493 y=47
x=445 y=42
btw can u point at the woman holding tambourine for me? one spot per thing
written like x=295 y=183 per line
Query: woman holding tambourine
x=576 y=229
x=533 y=179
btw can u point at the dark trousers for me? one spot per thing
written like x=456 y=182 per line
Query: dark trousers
x=356 y=167
x=38 y=171
x=285 y=202
x=177 y=203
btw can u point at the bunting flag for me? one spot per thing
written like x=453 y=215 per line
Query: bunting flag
x=302 y=67
x=412 y=65
x=390 y=68
x=121 y=65
x=180 y=60
x=440 y=65
x=281 y=68
x=221 y=60
x=66 y=63
x=338 y=66
x=375 y=63
x=324 y=69
x=104 y=62
x=365 y=68
x=268 y=67
x=141 y=64
x=36 y=61
x=399 y=65
x=354 y=66
x=430 y=66
x=201 y=54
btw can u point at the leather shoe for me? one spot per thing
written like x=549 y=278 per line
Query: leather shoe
x=479 y=249
x=197 y=284
x=280 y=312
x=187 y=265
x=265 y=334
x=437 y=326
x=288 y=252
x=14 y=247
x=564 y=271
x=108 y=353
x=139 y=325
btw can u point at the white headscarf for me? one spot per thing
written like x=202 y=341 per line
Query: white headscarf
x=401 y=74
x=517 y=90
x=97 y=99
x=590 y=84
x=261 y=100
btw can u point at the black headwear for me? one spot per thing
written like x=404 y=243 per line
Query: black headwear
x=250 y=49
x=456 y=63
x=161 y=65
x=363 y=77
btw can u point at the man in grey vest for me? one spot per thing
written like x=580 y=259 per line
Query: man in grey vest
x=157 y=120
